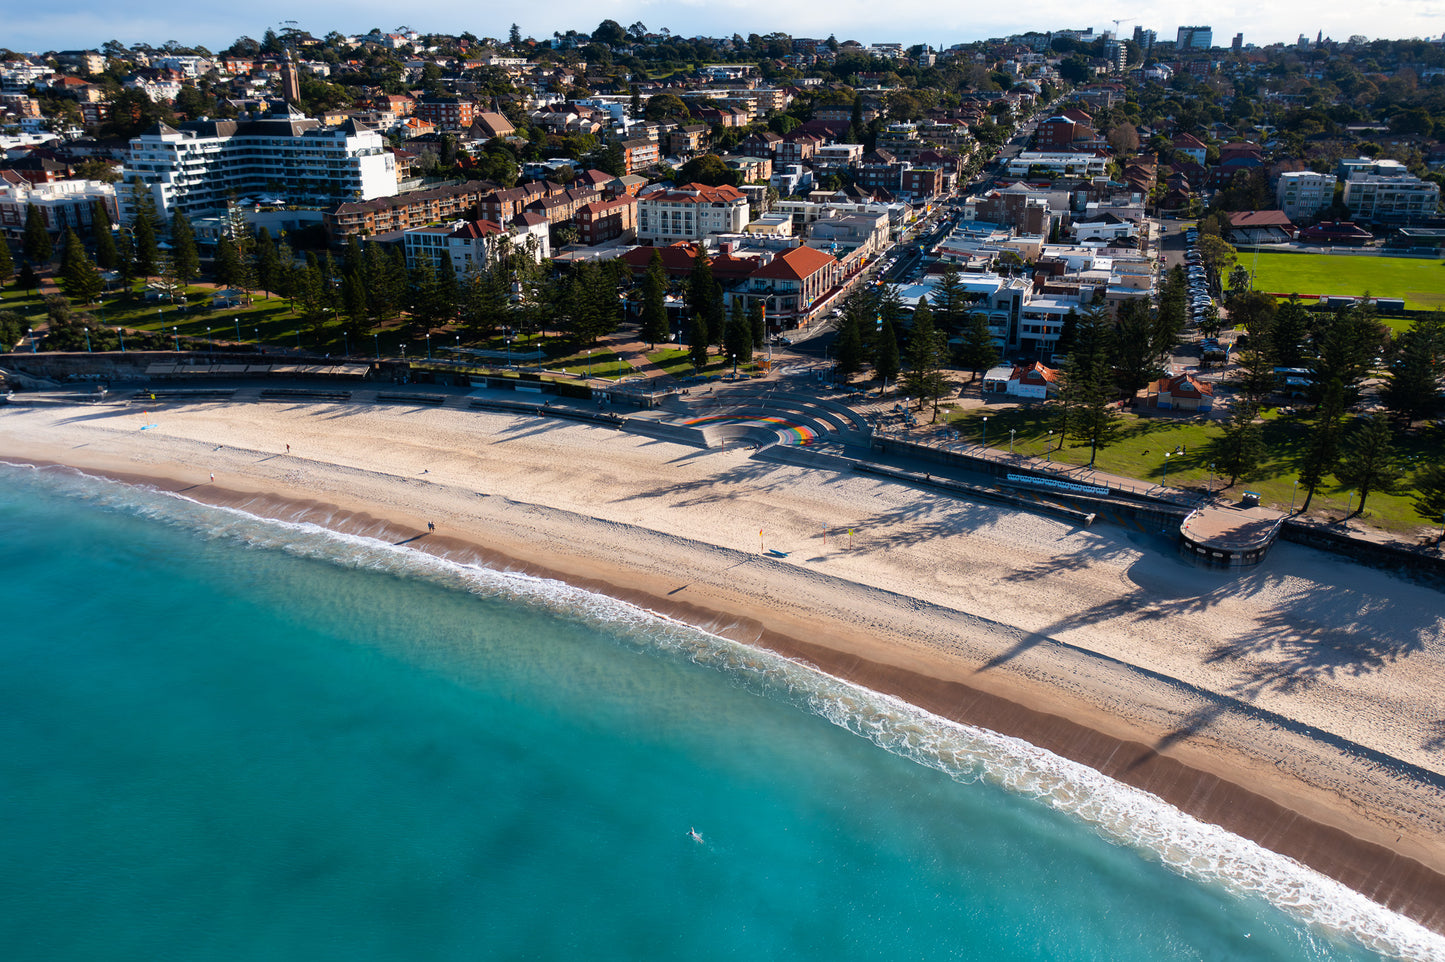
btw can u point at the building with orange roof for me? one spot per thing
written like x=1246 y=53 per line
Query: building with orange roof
x=791 y=284
x=690 y=212
x=1183 y=392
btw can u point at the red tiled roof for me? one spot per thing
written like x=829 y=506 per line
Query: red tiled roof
x=1034 y=373
x=1182 y=385
x=795 y=264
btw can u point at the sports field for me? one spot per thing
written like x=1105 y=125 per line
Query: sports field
x=1420 y=281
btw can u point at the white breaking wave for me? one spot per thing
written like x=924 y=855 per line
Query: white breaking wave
x=1127 y=816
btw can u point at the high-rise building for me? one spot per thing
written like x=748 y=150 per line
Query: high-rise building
x=1145 y=38
x=197 y=166
x=1194 y=38
x=1237 y=44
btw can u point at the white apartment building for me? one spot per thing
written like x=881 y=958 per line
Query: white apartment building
x=1072 y=165
x=198 y=166
x=1302 y=194
x=62 y=204
x=1402 y=199
x=474 y=245
x=690 y=213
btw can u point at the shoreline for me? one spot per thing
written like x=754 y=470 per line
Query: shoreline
x=1221 y=769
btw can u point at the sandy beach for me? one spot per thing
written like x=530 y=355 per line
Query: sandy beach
x=1296 y=704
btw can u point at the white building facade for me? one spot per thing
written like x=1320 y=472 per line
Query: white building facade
x=1303 y=194
x=690 y=213
x=199 y=166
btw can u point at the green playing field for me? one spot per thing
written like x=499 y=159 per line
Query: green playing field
x=1420 y=281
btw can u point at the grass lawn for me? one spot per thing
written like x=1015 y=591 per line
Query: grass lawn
x=1420 y=281
x=604 y=364
x=1142 y=443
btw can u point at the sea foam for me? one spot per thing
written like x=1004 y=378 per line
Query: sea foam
x=1127 y=816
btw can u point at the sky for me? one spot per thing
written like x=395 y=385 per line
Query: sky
x=79 y=24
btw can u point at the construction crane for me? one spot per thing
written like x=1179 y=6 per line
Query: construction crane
x=1116 y=26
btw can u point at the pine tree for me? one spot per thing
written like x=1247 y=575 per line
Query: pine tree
x=105 y=254
x=704 y=299
x=978 y=352
x=1369 y=461
x=183 y=249
x=266 y=264
x=759 y=323
x=654 y=301
x=927 y=351
x=1323 y=444
x=1413 y=389
x=448 y=292
x=144 y=248
x=885 y=355
x=1087 y=393
x=848 y=348
x=1240 y=449
x=227 y=262
x=78 y=277
x=738 y=339
x=36 y=244
x=697 y=342
x=353 y=302
x=7 y=263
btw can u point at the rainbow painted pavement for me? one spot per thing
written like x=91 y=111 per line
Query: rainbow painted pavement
x=791 y=432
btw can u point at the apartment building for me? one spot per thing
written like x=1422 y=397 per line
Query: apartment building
x=447 y=113
x=690 y=212
x=474 y=245
x=1391 y=200
x=1302 y=194
x=61 y=204
x=198 y=166
x=606 y=220
x=413 y=209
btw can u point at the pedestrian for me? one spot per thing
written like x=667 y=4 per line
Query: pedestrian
x=430 y=526
x=288 y=449
x=213 y=477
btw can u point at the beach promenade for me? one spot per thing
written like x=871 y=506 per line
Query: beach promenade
x=1296 y=703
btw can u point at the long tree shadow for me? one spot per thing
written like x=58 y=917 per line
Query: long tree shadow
x=1317 y=635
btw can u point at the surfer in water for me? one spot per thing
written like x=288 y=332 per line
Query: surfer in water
x=693 y=834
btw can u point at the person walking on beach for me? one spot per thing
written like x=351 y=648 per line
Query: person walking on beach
x=430 y=526
x=288 y=449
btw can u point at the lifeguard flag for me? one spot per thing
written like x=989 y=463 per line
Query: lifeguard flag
x=760 y=532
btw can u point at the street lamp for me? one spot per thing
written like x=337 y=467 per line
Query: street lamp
x=403 y=351
x=87 y=340
x=176 y=333
x=589 y=364
x=32 y=341
x=735 y=365
x=985 y=431
x=428 y=347
x=237 y=319
x=1292 y=495
x=376 y=340
x=1164 y=478
x=120 y=333
x=1011 y=433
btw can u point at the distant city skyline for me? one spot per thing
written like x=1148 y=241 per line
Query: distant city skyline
x=89 y=23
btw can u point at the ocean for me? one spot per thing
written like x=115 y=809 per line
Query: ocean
x=229 y=738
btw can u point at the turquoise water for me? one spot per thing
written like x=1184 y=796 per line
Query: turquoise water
x=226 y=739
